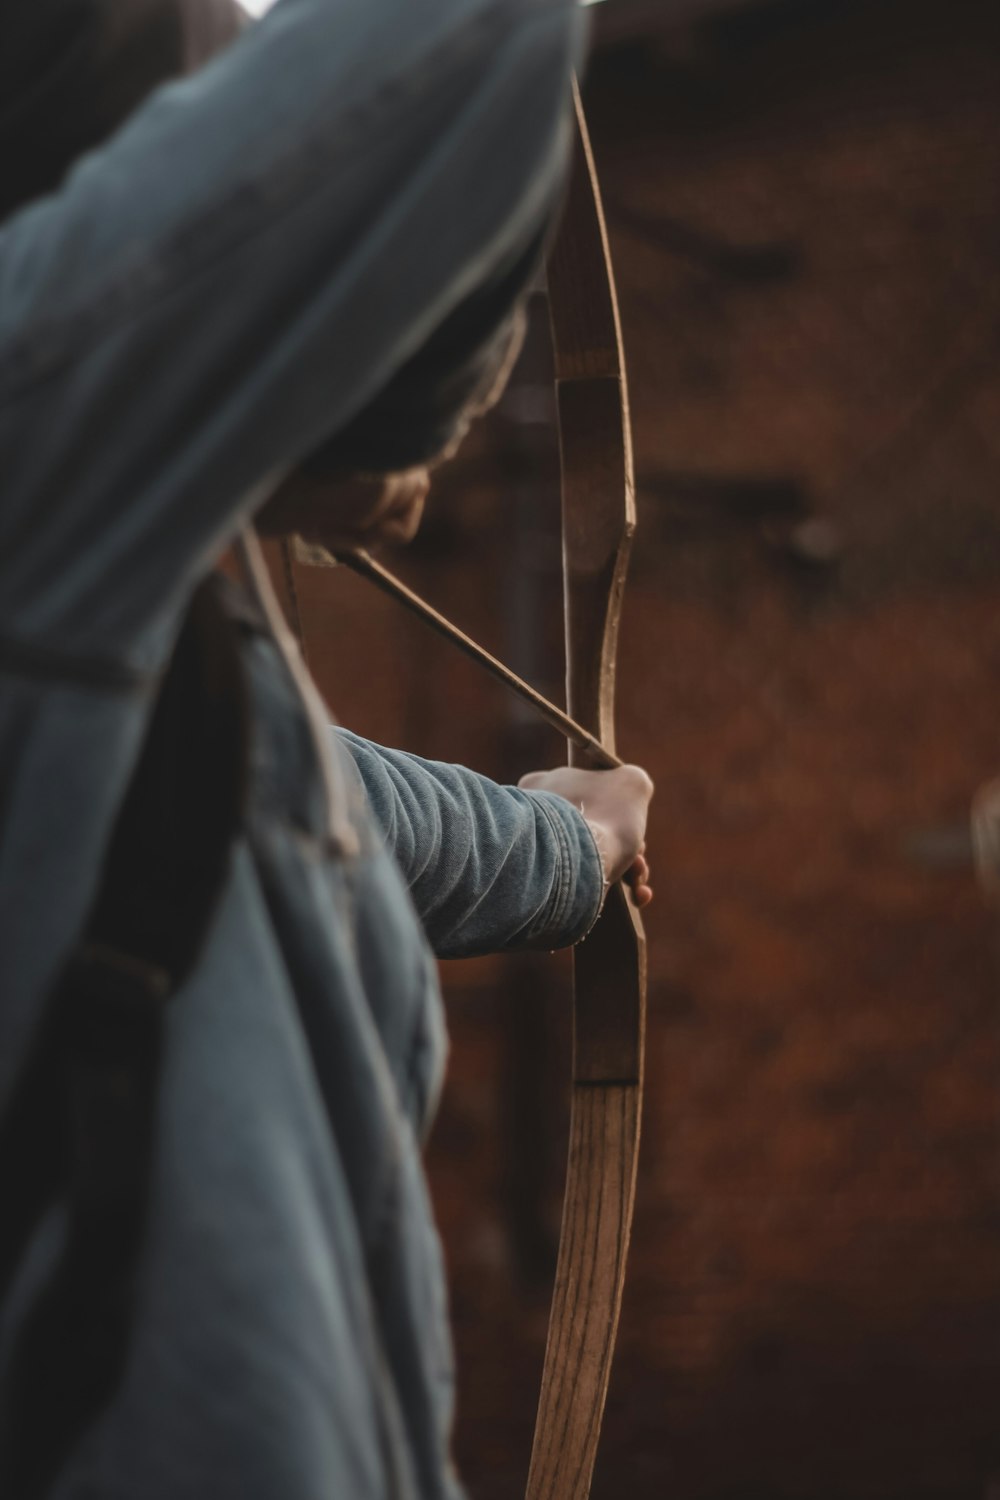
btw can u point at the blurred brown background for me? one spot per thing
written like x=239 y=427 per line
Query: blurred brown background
x=805 y=221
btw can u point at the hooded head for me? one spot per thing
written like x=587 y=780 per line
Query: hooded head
x=71 y=71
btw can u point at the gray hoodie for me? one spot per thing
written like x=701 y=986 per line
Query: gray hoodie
x=215 y=293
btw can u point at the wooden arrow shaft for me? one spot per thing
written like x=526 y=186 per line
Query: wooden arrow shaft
x=364 y=564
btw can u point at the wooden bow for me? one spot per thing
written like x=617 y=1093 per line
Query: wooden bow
x=609 y=973
x=598 y=508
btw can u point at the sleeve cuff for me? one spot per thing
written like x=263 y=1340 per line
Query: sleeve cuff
x=579 y=888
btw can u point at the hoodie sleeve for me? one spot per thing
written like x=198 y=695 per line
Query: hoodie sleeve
x=489 y=867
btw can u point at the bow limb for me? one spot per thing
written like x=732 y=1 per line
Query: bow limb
x=609 y=968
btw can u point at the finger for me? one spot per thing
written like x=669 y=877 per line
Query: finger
x=641 y=777
x=636 y=878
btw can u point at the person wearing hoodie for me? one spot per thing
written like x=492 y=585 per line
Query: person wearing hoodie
x=246 y=271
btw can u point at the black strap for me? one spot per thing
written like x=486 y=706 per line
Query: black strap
x=79 y=1126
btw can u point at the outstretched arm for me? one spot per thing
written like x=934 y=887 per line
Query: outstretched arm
x=495 y=867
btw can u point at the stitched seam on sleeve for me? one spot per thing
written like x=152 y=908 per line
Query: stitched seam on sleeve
x=605 y=883
x=561 y=897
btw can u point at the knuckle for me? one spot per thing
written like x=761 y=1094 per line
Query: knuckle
x=640 y=777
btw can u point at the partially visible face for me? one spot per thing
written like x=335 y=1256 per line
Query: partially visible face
x=344 y=514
